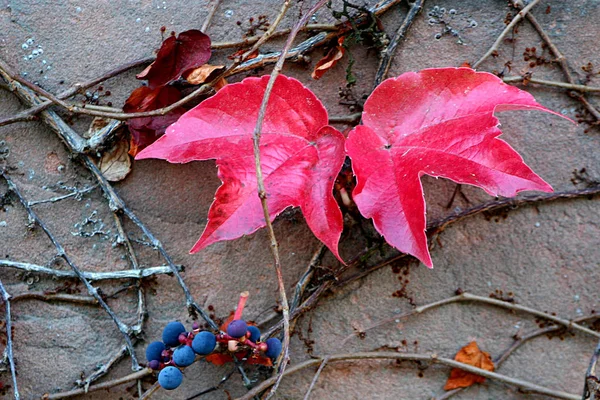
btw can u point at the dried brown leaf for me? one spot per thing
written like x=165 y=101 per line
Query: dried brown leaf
x=330 y=60
x=115 y=164
x=203 y=73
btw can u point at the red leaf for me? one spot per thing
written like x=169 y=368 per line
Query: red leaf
x=176 y=55
x=437 y=122
x=301 y=156
x=145 y=131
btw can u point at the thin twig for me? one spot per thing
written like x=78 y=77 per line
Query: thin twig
x=213 y=388
x=316 y=377
x=561 y=59
x=91 y=276
x=103 y=370
x=104 y=385
x=60 y=252
x=73 y=90
x=564 y=85
x=505 y=32
x=239 y=66
x=345 y=119
x=123 y=239
x=519 y=341
x=66 y=196
x=262 y=194
x=433 y=227
x=434 y=359
x=210 y=16
x=387 y=55
x=466 y=297
x=71 y=298
x=148 y=393
x=9 y=340
x=76 y=145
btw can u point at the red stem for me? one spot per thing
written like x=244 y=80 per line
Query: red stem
x=241 y=304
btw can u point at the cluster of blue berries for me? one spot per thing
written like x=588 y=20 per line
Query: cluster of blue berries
x=179 y=348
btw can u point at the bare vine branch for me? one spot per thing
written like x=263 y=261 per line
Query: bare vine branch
x=433 y=359
x=60 y=253
x=91 y=276
x=9 y=340
x=520 y=15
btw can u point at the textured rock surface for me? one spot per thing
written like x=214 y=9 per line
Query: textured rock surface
x=547 y=256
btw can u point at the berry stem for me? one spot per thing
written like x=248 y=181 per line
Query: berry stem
x=241 y=304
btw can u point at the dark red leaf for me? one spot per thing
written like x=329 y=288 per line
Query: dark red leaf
x=145 y=131
x=301 y=157
x=437 y=122
x=190 y=49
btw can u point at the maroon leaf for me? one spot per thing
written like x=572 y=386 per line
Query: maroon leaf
x=190 y=49
x=145 y=131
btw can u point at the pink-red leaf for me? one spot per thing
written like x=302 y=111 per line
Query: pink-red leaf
x=300 y=157
x=437 y=122
x=176 y=55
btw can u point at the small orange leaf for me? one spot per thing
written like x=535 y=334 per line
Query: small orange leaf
x=471 y=355
x=330 y=60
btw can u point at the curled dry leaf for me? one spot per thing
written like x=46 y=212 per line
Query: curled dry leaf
x=241 y=52
x=176 y=55
x=471 y=355
x=98 y=123
x=115 y=163
x=330 y=60
x=206 y=73
x=145 y=131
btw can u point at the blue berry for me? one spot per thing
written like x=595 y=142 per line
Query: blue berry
x=184 y=356
x=254 y=334
x=273 y=348
x=154 y=350
x=237 y=328
x=204 y=343
x=170 y=378
x=171 y=333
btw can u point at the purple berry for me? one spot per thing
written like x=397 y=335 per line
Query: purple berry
x=237 y=328
x=254 y=334
x=154 y=364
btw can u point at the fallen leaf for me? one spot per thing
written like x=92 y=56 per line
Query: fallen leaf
x=202 y=74
x=471 y=355
x=146 y=130
x=301 y=156
x=438 y=122
x=95 y=126
x=176 y=55
x=330 y=60
x=115 y=163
